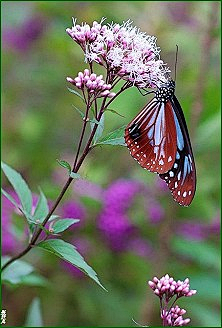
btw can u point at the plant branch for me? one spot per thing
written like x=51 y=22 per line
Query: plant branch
x=76 y=167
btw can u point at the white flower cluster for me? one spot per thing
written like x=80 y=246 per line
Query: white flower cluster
x=123 y=50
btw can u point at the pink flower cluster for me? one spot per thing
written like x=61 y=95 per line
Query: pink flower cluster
x=174 y=317
x=94 y=84
x=168 y=287
x=123 y=50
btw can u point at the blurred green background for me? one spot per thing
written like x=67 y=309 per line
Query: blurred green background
x=39 y=126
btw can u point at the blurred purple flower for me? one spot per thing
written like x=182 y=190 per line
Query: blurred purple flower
x=198 y=230
x=140 y=247
x=192 y=231
x=74 y=210
x=214 y=226
x=9 y=241
x=180 y=12
x=88 y=188
x=20 y=38
x=113 y=222
x=116 y=228
x=119 y=195
x=161 y=186
x=155 y=212
x=84 y=247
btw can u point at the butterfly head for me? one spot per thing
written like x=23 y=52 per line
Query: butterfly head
x=166 y=91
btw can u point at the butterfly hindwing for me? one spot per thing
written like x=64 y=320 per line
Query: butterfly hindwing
x=181 y=178
x=151 y=137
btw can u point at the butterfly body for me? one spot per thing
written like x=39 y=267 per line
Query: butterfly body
x=158 y=140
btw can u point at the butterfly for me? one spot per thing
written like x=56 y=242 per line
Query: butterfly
x=158 y=140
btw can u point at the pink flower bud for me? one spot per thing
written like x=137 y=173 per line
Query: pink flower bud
x=186 y=321
x=111 y=94
x=80 y=75
x=86 y=72
x=77 y=80
x=105 y=93
x=101 y=85
x=69 y=79
x=93 y=77
x=99 y=78
x=151 y=283
x=89 y=84
x=156 y=291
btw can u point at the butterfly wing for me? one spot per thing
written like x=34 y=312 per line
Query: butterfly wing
x=151 y=137
x=181 y=178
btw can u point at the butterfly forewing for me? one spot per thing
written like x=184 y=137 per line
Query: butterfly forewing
x=158 y=139
x=151 y=137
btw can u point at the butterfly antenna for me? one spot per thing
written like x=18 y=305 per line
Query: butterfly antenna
x=175 y=70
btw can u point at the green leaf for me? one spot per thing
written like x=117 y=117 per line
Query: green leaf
x=41 y=209
x=16 y=271
x=75 y=93
x=63 y=224
x=79 y=111
x=34 y=279
x=209 y=132
x=10 y=198
x=69 y=253
x=34 y=315
x=113 y=111
x=53 y=217
x=65 y=164
x=99 y=130
x=20 y=187
x=211 y=280
x=113 y=138
x=75 y=175
x=203 y=253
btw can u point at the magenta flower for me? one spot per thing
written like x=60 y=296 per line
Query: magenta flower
x=120 y=194
x=140 y=247
x=123 y=50
x=155 y=212
x=116 y=229
x=22 y=37
x=74 y=210
x=199 y=230
x=113 y=222
x=87 y=188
